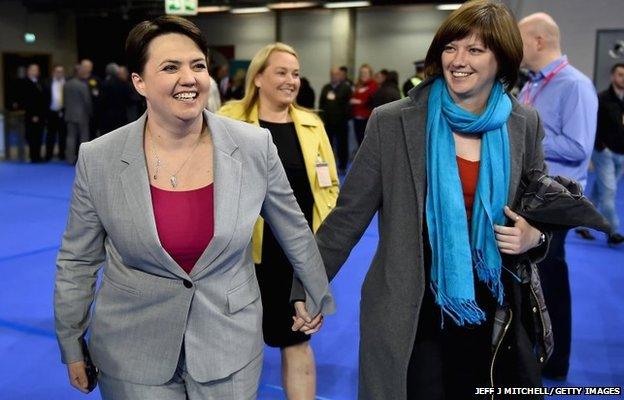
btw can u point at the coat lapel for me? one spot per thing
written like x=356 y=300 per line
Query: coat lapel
x=414 y=120
x=516 y=127
x=309 y=141
x=227 y=188
x=136 y=189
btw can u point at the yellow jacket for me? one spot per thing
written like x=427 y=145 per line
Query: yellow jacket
x=314 y=145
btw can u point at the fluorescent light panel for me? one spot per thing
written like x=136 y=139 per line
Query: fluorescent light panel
x=347 y=4
x=249 y=10
x=448 y=7
x=212 y=9
x=285 y=5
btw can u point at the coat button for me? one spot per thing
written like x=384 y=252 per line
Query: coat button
x=541 y=359
x=188 y=284
x=534 y=309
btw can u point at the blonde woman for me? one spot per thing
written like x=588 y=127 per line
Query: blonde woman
x=271 y=88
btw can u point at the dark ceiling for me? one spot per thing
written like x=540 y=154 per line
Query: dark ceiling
x=148 y=7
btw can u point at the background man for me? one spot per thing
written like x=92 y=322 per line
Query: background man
x=567 y=104
x=55 y=121
x=335 y=112
x=608 y=157
x=33 y=102
x=78 y=112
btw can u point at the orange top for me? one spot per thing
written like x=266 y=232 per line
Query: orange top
x=468 y=175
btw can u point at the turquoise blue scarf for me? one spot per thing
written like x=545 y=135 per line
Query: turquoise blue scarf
x=455 y=252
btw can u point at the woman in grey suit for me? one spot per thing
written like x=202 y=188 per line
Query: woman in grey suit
x=442 y=167
x=168 y=204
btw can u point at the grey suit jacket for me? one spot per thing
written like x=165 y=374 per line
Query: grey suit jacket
x=389 y=176
x=77 y=101
x=147 y=307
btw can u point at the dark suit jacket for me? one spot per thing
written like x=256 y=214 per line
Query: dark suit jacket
x=33 y=99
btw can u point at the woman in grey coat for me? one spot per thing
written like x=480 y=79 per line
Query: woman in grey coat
x=445 y=236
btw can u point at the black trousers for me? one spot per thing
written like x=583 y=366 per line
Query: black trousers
x=359 y=126
x=339 y=133
x=34 y=137
x=553 y=271
x=57 y=131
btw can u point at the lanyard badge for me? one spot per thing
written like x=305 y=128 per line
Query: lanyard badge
x=322 y=173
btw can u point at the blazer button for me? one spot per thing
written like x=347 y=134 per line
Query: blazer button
x=188 y=284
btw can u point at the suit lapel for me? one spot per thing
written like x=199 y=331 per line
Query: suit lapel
x=227 y=187
x=136 y=189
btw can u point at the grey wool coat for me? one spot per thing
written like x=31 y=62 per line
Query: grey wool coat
x=389 y=176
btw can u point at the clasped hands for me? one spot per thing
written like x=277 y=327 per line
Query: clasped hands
x=303 y=322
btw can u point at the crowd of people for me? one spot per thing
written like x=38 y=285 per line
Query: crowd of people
x=222 y=228
x=68 y=110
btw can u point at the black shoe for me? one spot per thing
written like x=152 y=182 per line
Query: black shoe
x=615 y=239
x=584 y=233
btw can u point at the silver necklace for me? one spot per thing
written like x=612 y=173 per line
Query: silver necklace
x=173 y=178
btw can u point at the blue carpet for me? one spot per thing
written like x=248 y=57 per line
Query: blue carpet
x=33 y=212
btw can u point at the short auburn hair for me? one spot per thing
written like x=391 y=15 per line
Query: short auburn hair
x=144 y=32
x=497 y=28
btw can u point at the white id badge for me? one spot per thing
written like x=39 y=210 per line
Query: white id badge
x=322 y=174
x=331 y=95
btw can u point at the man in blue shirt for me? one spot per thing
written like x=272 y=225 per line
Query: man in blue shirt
x=567 y=104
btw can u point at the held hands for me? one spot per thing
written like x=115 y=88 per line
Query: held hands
x=303 y=322
x=78 y=376
x=516 y=239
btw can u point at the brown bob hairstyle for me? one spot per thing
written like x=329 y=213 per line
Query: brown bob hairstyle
x=494 y=24
x=144 y=32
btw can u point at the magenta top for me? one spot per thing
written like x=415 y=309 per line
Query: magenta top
x=185 y=222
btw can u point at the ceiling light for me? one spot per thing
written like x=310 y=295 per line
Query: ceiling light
x=249 y=10
x=212 y=9
x=448 y=7
x=285 y=5
x=347 y=4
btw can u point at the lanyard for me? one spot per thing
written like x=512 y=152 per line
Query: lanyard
x=527 y=95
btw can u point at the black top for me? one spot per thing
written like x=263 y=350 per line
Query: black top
x=289 y=151
x=610 y=132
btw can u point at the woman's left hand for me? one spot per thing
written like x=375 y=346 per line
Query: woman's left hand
x=516 y=239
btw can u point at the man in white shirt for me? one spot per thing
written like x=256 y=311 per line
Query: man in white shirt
x=56 y=130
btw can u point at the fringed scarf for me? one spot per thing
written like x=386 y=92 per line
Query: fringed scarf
x=455 y=251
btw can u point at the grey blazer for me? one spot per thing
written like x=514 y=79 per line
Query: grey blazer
x=147 y=307
x=389 y=176
x=77 y=101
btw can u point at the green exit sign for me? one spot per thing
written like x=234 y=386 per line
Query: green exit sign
x=181 y=7
x=29 y=37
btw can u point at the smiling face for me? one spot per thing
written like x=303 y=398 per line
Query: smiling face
x=279 y=83
x=175 y=78
x=469 y=69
